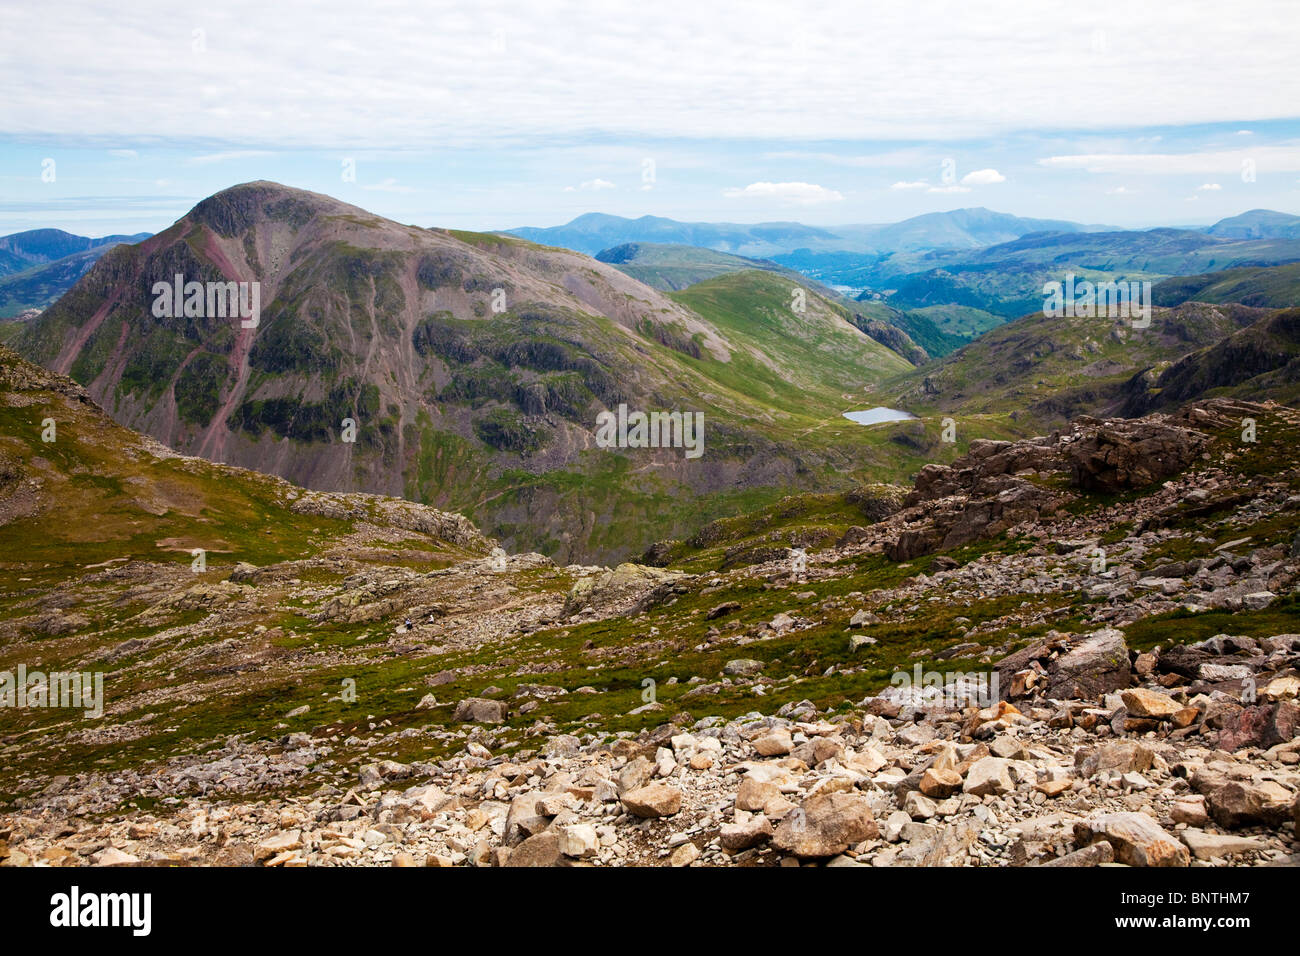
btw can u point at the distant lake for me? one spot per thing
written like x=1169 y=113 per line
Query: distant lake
x=874 y=416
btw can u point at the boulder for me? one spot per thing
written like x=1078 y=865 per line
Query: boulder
x=940 y=784
x=735 y=837
x=525 y=818
x=775 y=744
x=1121 y=757
x=826 y=824
x=989 y=775
x=540 y=850
x=1096 y=666
x=579 y=841
x=1136 y=839
x=754 y=795
x=1248 y=803
x=1150 y=703
x=1208 y=846
x=1263 y=726
x=652 y=800
x=1095 y=854
x=480 y=710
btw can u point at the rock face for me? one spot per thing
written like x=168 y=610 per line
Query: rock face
x=1111 y=457
x=986 y=492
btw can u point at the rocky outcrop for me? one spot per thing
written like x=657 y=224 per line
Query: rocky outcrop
x=620 y=589
x=892 y=337
x=1111 y=457
x=1000 y=485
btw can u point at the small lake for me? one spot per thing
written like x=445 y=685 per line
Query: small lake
x=875 y=416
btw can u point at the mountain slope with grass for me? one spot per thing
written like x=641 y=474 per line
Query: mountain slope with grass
x=472 y=368
x=1267 y=287
x=670 y=267
x=1037 y=372
x=1261 y=361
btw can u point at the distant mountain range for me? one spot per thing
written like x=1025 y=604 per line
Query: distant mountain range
x=1258 y=224
x=39 y=265
x=957 y=229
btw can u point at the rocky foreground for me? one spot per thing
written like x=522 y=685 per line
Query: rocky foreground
x=1121 y=590
x=1161 y=769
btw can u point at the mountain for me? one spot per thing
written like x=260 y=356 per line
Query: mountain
x=670 y=267
x=1036 y=372
x=593 y=232
x=958 y=228
x=121 y=497
x=474 y=368
x=1276 y=287
x=964 y=293
x=1261 y=361
x=38 y=266
x=21 y=250
x=1258 y=224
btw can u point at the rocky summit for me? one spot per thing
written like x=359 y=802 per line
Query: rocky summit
x=1080 y=650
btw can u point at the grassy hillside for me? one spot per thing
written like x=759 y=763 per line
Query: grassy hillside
x=671 y=267
x=1036 y=372
x=1269 y=287
x=474 y=367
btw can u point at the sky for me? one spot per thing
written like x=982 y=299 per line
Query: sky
x=490 y=115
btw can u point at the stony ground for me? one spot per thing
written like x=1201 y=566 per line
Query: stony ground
x=1131 y=584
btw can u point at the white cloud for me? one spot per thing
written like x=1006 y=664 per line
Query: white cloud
x=1272 y=158
x=228 y=156
x=919 y=184
x=1209 y=186
x=800 y=193
x=983 y=177
x=591 y=185
x=891 y=158
x=439 y=77
x=949 y=189
x=389 y=185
